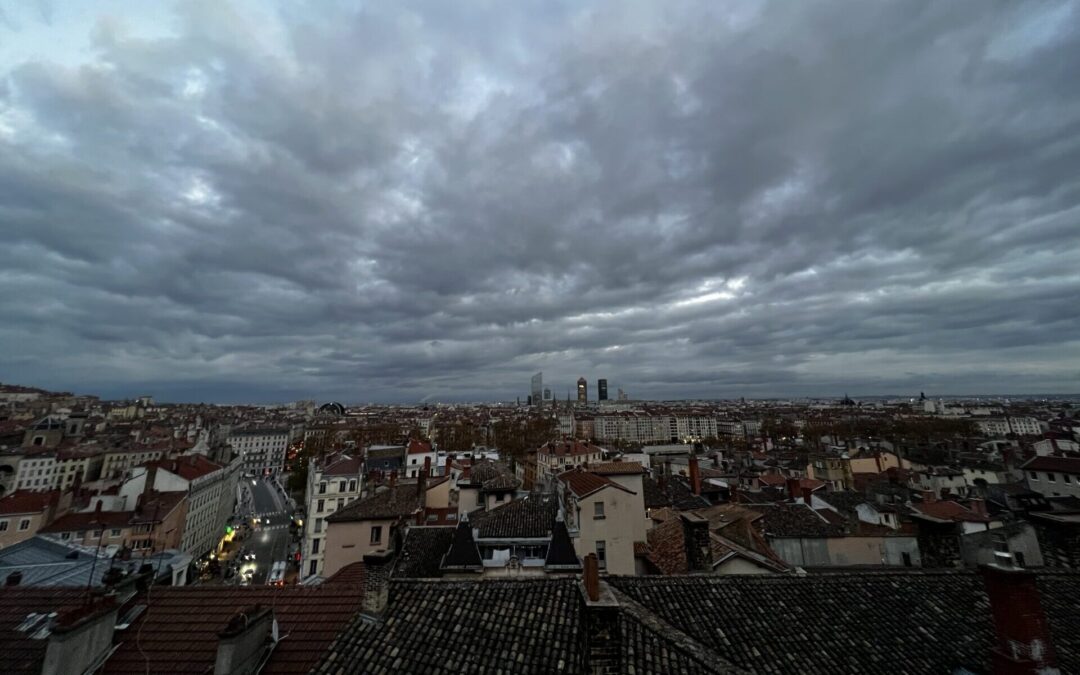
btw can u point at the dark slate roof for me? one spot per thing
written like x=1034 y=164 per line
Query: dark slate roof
x=532 y=516
x=675 y=493
x=873 y=622
x=561 y=553
x=842 y=501
x=503 y=483
x=649 y=645
x=422 y=552
x=393 y=502
x=463 y=553
x=795 y=520
x=441 y=626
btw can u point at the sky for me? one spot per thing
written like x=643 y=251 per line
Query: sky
x=401 y=201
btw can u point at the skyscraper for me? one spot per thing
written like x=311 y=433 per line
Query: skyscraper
x=582 y=390
x=538 y=388
x=601 y=390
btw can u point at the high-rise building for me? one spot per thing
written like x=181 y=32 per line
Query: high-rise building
x=582 y=390
x=601 y=390
x=537 y=388
x=547 y=394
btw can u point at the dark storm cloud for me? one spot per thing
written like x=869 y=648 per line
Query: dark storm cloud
x=386 y=203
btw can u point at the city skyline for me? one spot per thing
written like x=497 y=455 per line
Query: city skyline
x=404 y=202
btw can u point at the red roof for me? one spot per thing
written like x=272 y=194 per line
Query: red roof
x=583 y=483
x=344 y=466
x=1060 y=464
x=949 y=510
x=178 y=632
x=188 y=467
x=418 y=447
x=154 y=509
x=23 y=654
x=25 y=501
x=569 y=447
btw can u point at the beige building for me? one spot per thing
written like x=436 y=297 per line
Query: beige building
x=333 y=483
x=603 y=517
x=24 y=513
x=373 y=523
x=555 y=457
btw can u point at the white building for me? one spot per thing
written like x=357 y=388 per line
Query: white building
x=1053 y=476
x=331 y=485
x=262 y=451
x=1003 y=426
x=211 y=496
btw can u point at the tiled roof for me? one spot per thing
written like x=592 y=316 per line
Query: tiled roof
x=795 y=520
x=617 y=468
x=417 y=447
x=441 y=626
x=561 y=553
x=568 y=447
x=21 y=653
x=188 y=467
x=675 y=493
x=876 y=622
x=503 y=483
x=345 y=466
x=532 y=516
x=78 y=522
x=25 y=501
x=1060 y=464
x=946 y=509
x=178 y=631
x=393 y=502
x=584 y=483
x=422 y=551
x=649 y=645
x=843 y=501
x=353 y=573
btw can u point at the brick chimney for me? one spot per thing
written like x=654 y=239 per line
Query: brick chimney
x=808 y=496
x=979 y=506
x=695 y=475
x=1023 y=645
x=377 y=567
x=244 y=641
x=591 y=577
x=393 y=478
x=421 y=480
x=449 y=464
x=148 y=484
x=793 y=487
x=928 y=496
x=696 y=542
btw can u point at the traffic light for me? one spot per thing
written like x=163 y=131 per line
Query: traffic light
x=228 y=529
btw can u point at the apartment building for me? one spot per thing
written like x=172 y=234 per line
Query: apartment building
x=604 y=518
x=57 y=468
x=333 y=482
x=1003 y=426
x=554 y=457
x=262 y=450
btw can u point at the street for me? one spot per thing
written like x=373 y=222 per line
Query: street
x=264 y=507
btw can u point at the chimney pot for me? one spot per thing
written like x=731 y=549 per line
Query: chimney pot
x=793 y=486
x=695 y=475
x=1020 y=624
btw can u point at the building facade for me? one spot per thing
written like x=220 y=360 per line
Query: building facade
x=262 y=451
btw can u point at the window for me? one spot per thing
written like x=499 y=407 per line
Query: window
x=322 y=488
x=352 y=485
x=3 y=525
x=98 y=533
x=1034 y=476
x=65 y=535
x=341 y=502
x=907 y=559
x=601 y=554
x=1065 y=477
x=320 y=505
x=315 y=545
x=499 y=497
x=313 y=567
x=376 y=534
x=318 y=525
x=1051 y=477
x=598 y=510
x=341 y=486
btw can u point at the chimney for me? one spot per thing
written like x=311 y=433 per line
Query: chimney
x=80 y=637
x=928 y=496
x=393 y=478
x=696 y=542
x=376 y=580
x=716 y=460
x=1023 y=645
x=427 y=466
x=733 y=492
x=245 y=640
x=793 y=486
x=148 y=485
x=979 y=506
x=449 y=464
x=695 y=475
x=808 y=497
x=591 y=578
x=13 y=579
x=421 y=480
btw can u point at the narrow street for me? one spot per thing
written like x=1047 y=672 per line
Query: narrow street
x=264 y=508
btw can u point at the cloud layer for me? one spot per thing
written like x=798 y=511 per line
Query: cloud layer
x=231 y=201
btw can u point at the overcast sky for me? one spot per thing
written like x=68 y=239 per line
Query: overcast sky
x=243 y=201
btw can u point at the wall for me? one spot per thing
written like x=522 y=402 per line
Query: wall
x=347 y=543
x=622 y=525
x=978 y=548
x=846 y=551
